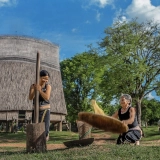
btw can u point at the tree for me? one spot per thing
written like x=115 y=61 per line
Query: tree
x=150 y=111
x=81 y=79
x=132 y=54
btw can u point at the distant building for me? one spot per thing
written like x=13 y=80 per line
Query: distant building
x=18 y=72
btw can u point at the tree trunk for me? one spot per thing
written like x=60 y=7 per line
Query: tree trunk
x=146 y=124
x=36 y=138
x=138 y=111
x=69 y=125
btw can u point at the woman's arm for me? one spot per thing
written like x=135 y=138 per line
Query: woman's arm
x=132 y=116
x=45 y=95
x=31 y=92
x=115 y=115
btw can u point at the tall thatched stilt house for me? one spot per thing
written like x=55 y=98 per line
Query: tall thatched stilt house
x=17 y=73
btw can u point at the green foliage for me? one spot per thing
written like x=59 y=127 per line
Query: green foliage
x=129 y=64
x=108 y=109
x=132 y=54
x=81 y=78
x=150 y=111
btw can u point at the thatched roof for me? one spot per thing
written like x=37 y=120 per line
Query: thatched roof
x=18 y=68
x=16 y=46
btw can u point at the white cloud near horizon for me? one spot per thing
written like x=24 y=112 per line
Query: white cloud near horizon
x=150 y=96
x=144 y=10
x=7 y=3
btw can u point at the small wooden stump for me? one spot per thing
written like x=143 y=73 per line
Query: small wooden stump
x=36 y=138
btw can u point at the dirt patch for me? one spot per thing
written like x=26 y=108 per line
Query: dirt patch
x=150 y=143
x=103 y=138
x=103 y=135
x=99 y=139
x=23 y=145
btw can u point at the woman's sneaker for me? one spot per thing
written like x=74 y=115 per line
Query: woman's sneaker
x=137 y=143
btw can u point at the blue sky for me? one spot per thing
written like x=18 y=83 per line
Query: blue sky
x=72 y=24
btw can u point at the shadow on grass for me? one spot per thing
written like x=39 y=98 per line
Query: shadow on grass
x=24 y=152
x=10 y=137
x=61 y=139
x=12 y=153
x=106 y=139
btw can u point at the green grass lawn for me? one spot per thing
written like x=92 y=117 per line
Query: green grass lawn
x=104 y=152
x=60 y=137
x=151 y=133
x=55 y=137
x=19 y=137
x=107 y=151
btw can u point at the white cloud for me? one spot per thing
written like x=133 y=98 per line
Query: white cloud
x=123 y=18
x=120 y=17
x=3 y=2
x=7 y=2
x=87 y=22
x=98 y=16
x=150 y=96
x=74 y=30
x=144 y=10
x=99 y=3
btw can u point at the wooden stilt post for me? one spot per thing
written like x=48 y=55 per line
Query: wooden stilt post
x=36 y=137
x=7 y=126
x=60 y=126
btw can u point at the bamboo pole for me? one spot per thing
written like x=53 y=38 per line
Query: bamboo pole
x=36 y=118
